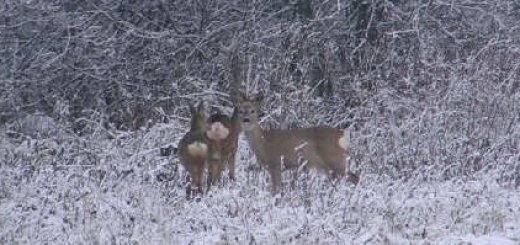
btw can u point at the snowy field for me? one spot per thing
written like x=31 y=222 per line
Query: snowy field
x=61 y=189
x=92 y=92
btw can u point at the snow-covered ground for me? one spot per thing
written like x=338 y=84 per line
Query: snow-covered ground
x=84 y=190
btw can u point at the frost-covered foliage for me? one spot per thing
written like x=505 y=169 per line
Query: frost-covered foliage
x=128 y=64
x=94 y=93
x=118 y=189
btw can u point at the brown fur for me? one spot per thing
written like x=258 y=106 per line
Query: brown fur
x=223 y=151
x=318 y=146
x=194 y=161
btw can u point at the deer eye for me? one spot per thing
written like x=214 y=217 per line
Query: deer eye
x=252 y=111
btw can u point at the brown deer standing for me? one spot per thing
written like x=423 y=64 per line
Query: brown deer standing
x=193 y=150
x=322 y=148
x=223 y=137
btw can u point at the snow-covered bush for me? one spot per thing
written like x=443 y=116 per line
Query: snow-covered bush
x=93 y=99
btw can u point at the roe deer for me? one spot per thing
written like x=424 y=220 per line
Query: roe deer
x=323 y=148
x=223 y=135
x=193 y=150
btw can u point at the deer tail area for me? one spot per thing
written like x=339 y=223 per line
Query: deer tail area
x=344 y=141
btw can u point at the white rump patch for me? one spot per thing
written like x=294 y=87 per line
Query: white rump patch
x=198 y=149
x=344 y=141
x=217 y=131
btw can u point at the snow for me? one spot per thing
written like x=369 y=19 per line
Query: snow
x=107 y=191
x=479 y=240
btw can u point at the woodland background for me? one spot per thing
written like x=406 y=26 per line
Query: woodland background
x=90 y=91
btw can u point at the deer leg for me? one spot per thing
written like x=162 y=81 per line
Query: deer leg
x=353 y=178
x=211 y=173
x=334 y=174
x=215 y=170
x=275 y=171
x=294 y=180
x=302 y=171
x=231 y=165
x=338 y=169
x=291 y=163
x=188 y=185
x=197 y=180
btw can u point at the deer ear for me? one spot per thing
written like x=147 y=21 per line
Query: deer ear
x=200 y=107
x=192 y=108
x=239 y=97
x=259 y=98
x=216 y=110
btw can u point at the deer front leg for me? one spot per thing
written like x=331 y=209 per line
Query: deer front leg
x=275 y=170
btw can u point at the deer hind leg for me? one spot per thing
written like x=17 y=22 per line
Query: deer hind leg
x=191 y=172
x=231 y=165
x=197 y=179
x=338 y=169
x=214 y=172
x=211 y=173
x=335 y=170
x=188 y=185
x=309 y=159
x=193 y=183
x=353 y=177
x=335 y=173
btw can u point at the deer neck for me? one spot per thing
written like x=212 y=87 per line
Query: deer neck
x=235 y=121
x=198 y=129
x=256 y=138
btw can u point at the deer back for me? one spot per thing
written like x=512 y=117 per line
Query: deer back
x=320 y=147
